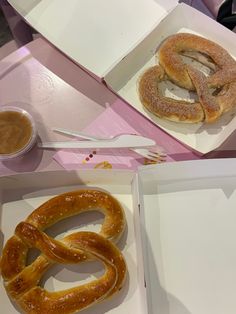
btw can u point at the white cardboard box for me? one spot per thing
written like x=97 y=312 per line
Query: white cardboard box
x=188 y=216
x=186 y=250
x=116 y=41
x=21 y=194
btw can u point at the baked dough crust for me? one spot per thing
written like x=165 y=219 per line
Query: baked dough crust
x=209 y=107
x=165 y=107
x=170 y=57
x=21 y=280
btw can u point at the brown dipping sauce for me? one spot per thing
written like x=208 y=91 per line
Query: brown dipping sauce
x=15 y=131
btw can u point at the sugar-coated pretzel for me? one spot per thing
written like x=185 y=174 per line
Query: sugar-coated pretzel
x=21 y=280
x=165 y=107
x=209 y=107
x=170 y=58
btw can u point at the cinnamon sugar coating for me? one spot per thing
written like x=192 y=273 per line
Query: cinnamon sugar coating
x=209 y=107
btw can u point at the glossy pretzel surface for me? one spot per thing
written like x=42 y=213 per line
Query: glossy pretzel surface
x=21 y=280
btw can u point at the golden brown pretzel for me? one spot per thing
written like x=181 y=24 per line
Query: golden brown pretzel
x=170 y=57
x=164 y=107
x=208 y=108
x=21 y=281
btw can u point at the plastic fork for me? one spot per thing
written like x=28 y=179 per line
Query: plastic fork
x=150 y=154
x=155 y=156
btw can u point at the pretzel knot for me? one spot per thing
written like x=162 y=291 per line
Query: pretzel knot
x=21 y=280
x=210 y=106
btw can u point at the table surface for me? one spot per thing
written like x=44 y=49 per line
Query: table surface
x=61 y=94
x=41 y=79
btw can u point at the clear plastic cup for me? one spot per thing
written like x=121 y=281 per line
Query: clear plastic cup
x=32 y=139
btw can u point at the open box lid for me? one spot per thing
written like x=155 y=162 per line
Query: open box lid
x=188 y=219
x=95 y=34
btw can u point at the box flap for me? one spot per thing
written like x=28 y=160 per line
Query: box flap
x=188 y=231
x=95 y=34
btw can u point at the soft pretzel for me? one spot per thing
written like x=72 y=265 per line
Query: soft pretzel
x=165 y=107
x=170 y=57
x=21 y=281
x=209 y=107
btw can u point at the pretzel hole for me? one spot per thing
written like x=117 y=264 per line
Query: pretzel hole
x=60 y=277
x=217 y=91
x=200 y=61
x=170 y=90
x=33 y=253
x=87 y=221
